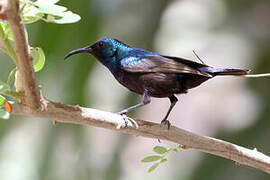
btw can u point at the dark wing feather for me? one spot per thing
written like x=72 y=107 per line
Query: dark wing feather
x=187 y=62
x=161 y=64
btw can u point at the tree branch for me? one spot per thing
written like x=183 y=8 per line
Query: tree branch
x=10 y=12
x=35 y=105
x=87 y=116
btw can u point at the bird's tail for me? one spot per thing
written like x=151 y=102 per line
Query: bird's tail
x=225 y=71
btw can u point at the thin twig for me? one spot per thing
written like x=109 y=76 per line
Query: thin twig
x=247 y=75
x=87 y=116
x=256 y=75
x=10 y=10
x=198 y=57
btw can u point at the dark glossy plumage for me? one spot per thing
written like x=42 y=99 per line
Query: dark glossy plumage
x=152 y=74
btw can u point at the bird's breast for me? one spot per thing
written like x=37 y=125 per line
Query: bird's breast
x=156 y=84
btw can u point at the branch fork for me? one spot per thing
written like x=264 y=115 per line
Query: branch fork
x=10 y=12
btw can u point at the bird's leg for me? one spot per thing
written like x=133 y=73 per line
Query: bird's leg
x=173 y=100
x=145 y=100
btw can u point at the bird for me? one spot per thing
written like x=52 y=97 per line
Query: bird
x=150 y=74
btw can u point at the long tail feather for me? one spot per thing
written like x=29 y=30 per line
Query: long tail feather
x=225 y=71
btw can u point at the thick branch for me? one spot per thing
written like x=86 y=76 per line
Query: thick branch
x=10 y=10
x=86 y=116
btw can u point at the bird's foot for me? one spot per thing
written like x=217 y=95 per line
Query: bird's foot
x=128 y=122
x=166 y=123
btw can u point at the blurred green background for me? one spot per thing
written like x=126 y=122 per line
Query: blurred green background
x=225 y=33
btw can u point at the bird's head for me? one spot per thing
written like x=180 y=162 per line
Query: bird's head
x=105 y=50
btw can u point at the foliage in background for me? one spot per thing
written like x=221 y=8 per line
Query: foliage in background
x=49 y=12
x=161 y=157
x=31 y=11
x=55 y=41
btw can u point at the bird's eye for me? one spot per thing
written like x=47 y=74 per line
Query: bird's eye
x=101 y=44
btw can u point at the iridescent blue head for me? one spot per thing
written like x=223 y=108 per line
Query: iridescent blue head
x=106 y=50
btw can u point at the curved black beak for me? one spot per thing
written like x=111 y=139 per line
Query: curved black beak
x=80 y=50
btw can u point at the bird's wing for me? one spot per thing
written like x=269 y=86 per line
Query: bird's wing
x=187 y=62
x=161 y=64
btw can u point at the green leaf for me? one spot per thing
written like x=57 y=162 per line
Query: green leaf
x=49 y=8
x=55 y=13
x=153 y=167
x=50 y=1
x=5 y=44
x=66 y=17
x=175 y=149
x=151 y=158
x=3 y=87
x=7 y=30
x=38 y=58
x=164 y=160
x=31 y=13
x=2 y=100
x=11 y=76
x=4 y=114
x=160 y=149
x=32 y=16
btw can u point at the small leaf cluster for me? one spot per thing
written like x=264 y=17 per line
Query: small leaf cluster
x=160 y=158
x=48 y=11
x=31 y=11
